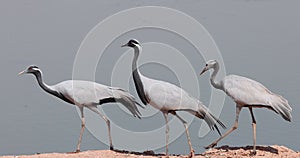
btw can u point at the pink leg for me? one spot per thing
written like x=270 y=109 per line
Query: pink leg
x=234 y=127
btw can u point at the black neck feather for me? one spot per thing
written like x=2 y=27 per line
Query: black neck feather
x=47 y=88
x=137 y=79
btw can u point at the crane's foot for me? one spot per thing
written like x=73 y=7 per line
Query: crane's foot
x=111 y=147
x=192 y=154
x=212 y=145
x=77 y=151
x=74 y=152
x=253 y=153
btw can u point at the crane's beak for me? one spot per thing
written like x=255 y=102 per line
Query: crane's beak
x=125 y=45
x=22 y=72
x=204 y=70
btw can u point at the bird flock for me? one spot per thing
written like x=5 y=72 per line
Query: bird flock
x=166 y=97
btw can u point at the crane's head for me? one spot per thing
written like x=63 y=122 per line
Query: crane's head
x=31 y=69
x=132 y=43
x=209 y=65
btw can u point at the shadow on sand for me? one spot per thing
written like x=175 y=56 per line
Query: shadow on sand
x=262 y=148
x=145 y=153
x=225 y=147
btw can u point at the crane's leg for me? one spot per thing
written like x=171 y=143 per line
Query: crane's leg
x=234 y=127
x=94 y=109
x=167 y=133
x=254 y=130
x=192 y=152
x=82 y=129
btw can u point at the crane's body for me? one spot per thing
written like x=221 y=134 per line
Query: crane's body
x=247 y=93
x=87 y=94
x=81 y=93
x=91 y=94
x=168 y=98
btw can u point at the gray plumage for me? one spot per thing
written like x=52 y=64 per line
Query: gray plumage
x=247 y=93
x=169 y=98
x=87 y=94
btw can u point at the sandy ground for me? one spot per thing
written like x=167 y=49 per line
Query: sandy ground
x=220 y=152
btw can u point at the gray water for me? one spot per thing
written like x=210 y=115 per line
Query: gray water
x=257 y=39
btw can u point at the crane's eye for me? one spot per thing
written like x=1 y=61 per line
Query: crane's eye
x=32 y=67
x=206 y=64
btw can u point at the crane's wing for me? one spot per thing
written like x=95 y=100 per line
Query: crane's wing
x=249 y=92
x=86 y=93
x=166 y=96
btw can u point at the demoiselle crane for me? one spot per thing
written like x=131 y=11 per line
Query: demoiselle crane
x=247 y=93
x=168 y=98
x=86 y=94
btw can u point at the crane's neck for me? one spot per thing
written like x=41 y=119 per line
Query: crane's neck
x=43 y=85
x=137 y=50
x=137 y=76
x=213 y=82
